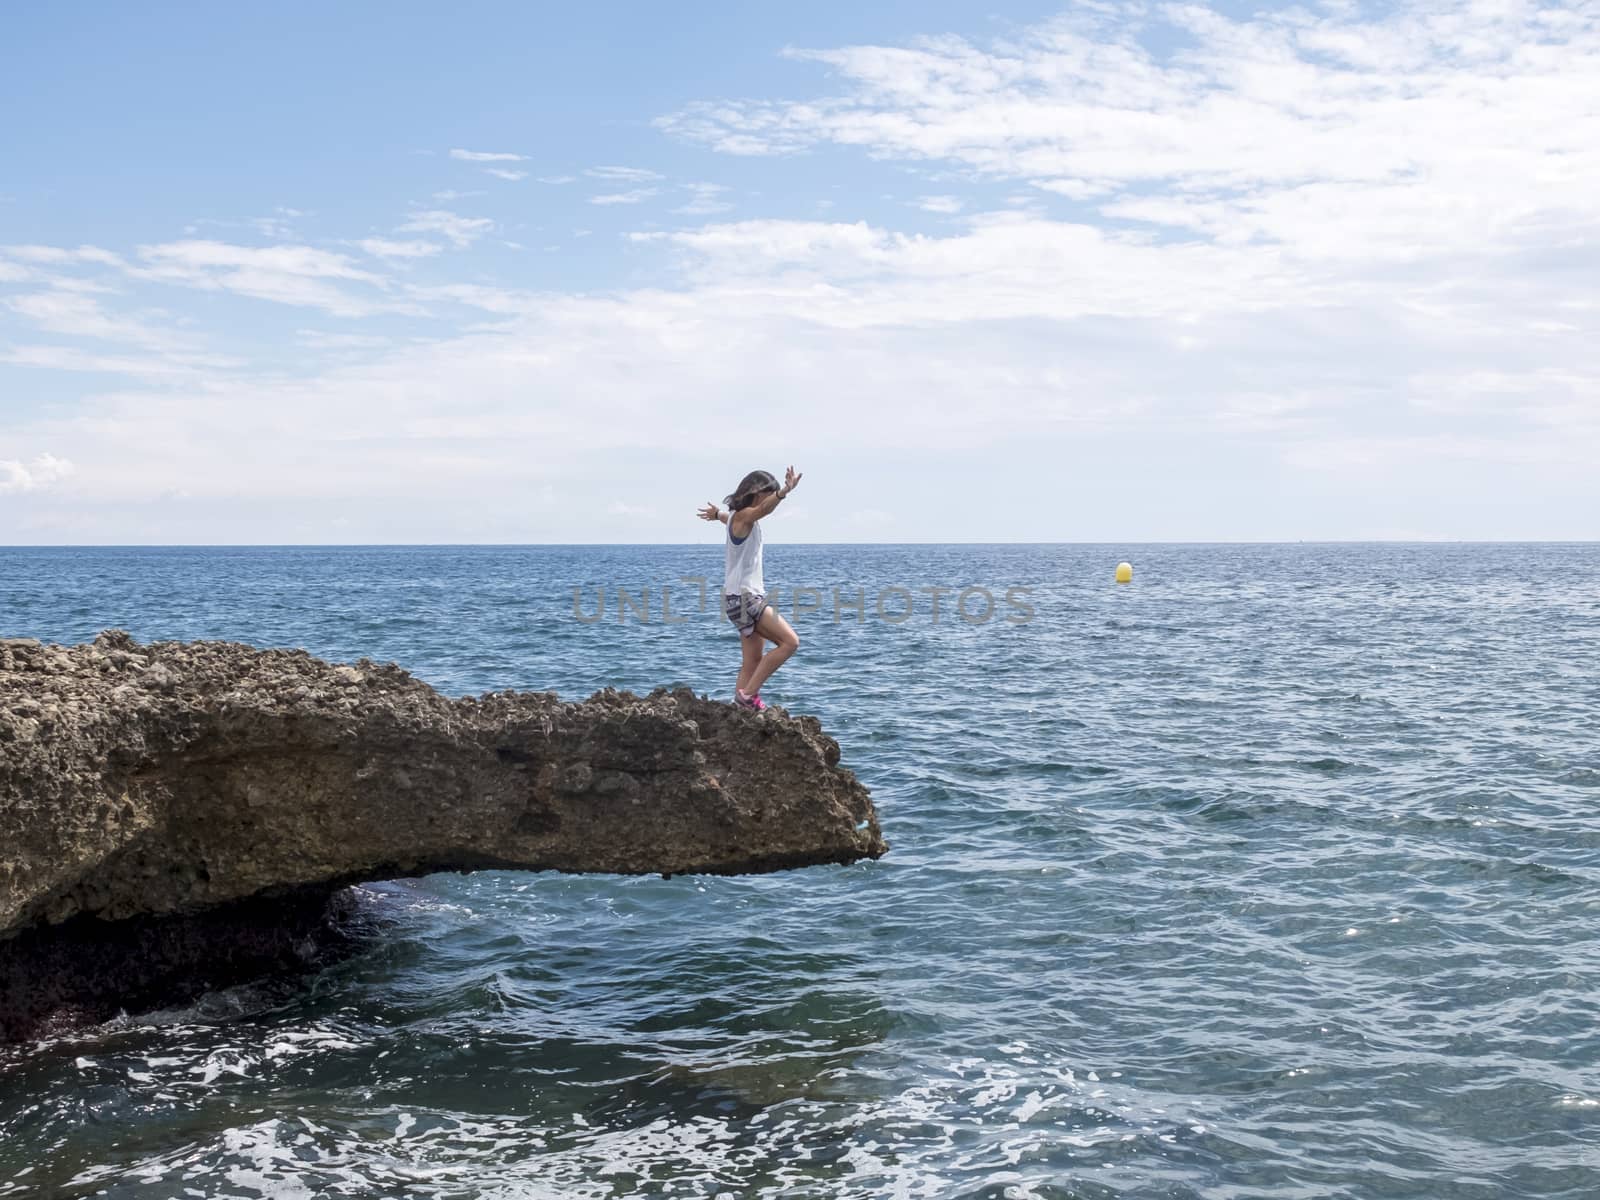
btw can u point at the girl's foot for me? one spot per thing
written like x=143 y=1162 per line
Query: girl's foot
x=752 y=701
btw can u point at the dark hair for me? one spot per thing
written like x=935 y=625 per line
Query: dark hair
x=751 y=486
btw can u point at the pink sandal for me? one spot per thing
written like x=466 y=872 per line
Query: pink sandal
x=753 y=701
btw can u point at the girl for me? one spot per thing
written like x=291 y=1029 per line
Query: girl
x=744 y=593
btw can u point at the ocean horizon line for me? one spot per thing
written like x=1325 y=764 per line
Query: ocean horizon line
x=789 y=544
x=786 y=544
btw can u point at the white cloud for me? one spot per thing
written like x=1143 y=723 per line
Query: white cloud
x=1438 y=128
x=502 y=173
x=749 y=127
x=56 y=255
x=623 y=174
x=290 y=260
x=42 y=472
x=633 y=197
x=288 y=274
x=1001 y=267
x=323 y=340
x=883 y=342
x=704 y=199
x=621 y=508
x=280 y=225
x=463 y=231
x=557 y=179
x=385 y=248
x=480 y=296
x=480 y=156
x=1401 y=318
x=150 y=368
x=71 y=312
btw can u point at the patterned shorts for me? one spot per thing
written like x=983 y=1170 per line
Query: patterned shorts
x=744 y=610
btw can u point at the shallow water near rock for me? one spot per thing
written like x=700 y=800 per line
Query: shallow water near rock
x=1272 y=874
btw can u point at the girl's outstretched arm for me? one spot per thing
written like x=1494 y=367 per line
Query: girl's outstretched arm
x=771 y=501
x=710 y=512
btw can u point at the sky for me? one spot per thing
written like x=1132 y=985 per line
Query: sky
x=510 y=273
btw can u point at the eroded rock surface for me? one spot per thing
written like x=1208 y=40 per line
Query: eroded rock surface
x=138 y=781
x=153 y=779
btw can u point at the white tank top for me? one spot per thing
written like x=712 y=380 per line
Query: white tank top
x=742 y=569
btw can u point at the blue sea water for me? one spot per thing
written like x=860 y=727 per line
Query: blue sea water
x=1270 y=875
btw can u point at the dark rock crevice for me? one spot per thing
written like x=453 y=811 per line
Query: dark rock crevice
x=56 y=978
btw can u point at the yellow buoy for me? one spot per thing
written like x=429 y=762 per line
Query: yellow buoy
x=1124 y=572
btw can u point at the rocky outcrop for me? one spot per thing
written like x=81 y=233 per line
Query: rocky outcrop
x=175 y=779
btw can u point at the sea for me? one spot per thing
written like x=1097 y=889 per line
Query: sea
x=1273 y=874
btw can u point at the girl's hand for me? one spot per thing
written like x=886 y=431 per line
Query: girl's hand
x=710 y=512
x=790 y=478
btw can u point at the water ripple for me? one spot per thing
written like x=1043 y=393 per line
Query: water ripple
x=1273 y=875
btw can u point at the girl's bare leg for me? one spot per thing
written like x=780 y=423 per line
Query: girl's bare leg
x=774 y=628
x=750 y=647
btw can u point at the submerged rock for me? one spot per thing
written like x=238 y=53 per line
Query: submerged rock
x=169 y=779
